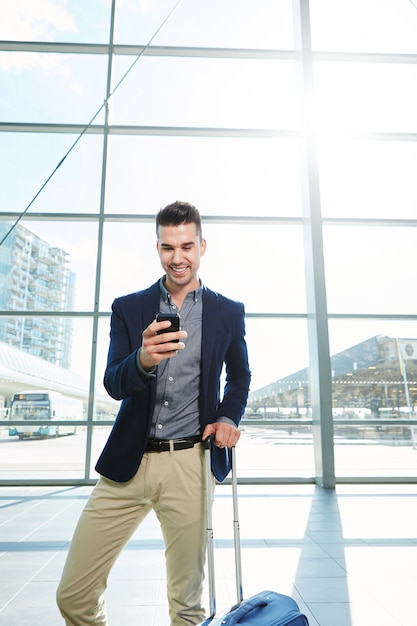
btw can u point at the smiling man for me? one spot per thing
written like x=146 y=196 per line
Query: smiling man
x=169 y=384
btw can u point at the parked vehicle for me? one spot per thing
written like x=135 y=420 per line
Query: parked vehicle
x=46 y=407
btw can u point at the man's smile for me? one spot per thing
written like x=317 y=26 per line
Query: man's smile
x=178 y=270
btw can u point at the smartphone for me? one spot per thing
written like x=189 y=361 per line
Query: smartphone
x=174 y=318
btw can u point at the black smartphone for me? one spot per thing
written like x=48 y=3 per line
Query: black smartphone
x=174 y=318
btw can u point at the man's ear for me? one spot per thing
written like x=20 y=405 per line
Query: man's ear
x=203 y=247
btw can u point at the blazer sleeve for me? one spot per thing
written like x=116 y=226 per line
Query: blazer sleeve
x=238 y=376
x=223 y=349
x=123 y=377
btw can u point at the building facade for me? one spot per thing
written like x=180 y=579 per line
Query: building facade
x=35 y=276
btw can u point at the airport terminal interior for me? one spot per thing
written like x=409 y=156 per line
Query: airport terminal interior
x=291 y=125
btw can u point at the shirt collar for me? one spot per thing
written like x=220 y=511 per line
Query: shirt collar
x=165 y=295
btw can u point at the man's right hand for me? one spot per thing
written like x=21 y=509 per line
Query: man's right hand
x=155 y=348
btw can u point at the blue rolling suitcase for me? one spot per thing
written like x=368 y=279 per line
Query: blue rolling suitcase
x=267 y=608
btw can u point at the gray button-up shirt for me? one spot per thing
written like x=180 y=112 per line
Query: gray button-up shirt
x=176 y=412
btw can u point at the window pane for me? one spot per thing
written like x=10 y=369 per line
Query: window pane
x=276 y=451
x=368 y=179
x=368 y=269
x=50 y=87
x=374 y=370
x=231 y=93
x=73 y=187
x=371 y=97
x=214 y=23
x=357 y=26
x=277 y=348
x=369 y=450
x=47 y=266
x=278 y=357
x=130 y=261
x=39 y=351
x=220 y=176
x=263 y=266
x=31 y=20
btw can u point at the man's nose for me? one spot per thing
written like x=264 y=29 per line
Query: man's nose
x=177 y=256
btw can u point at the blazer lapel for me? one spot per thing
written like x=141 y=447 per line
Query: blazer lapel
x=209 y=326
x=150 y=304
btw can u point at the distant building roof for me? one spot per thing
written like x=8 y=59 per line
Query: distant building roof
x=373 y=357
x=22 y=362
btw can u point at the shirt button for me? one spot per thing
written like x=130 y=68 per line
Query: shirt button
x=166 y=403
x=170 y=378
x=159 y=426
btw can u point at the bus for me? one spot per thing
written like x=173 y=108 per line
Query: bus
x=45 y=407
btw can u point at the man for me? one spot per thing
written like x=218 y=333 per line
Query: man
x=169 y=383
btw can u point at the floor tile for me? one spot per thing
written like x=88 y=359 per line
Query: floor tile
x=342 y=555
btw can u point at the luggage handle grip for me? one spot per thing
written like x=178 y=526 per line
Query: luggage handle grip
x=247 y=607
x=207 y=442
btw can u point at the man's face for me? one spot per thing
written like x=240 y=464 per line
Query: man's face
x=179 y=248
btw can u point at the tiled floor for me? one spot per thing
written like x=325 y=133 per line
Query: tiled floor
x=349 y=557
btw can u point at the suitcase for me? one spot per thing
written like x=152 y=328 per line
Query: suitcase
x=267 y=608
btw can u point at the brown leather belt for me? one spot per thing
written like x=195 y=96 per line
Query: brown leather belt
x=164 y=445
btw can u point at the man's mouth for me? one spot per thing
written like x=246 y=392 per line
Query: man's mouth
x=178 y=270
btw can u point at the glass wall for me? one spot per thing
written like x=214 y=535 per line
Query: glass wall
x=306 y=184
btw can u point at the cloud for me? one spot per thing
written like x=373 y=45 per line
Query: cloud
x=20 y=61
x=24 y=20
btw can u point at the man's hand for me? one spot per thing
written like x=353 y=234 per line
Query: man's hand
x=155 y=348
x=225 y=435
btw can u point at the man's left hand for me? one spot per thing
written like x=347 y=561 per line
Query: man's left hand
x=225 y=435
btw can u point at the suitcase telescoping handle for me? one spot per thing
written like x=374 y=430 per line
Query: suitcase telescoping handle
x=236 y=528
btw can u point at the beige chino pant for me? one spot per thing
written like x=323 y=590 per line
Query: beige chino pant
x=173 y=485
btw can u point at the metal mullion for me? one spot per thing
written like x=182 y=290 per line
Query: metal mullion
x=93 y=366
x=317 y=321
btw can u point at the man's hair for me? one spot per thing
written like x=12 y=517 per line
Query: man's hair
x=179 y=213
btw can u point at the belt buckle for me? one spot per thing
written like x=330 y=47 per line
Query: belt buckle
x=159 y=445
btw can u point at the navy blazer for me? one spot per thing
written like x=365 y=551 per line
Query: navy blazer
x=223 y=342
